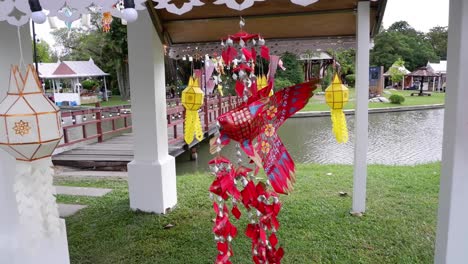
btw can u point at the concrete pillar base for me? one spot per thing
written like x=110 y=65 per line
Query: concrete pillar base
x=14 y=248
x=152 y=185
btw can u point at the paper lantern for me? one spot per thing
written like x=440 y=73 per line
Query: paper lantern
x=336 y=96
x=192 y=100
x=30 y=130
x=262 y=83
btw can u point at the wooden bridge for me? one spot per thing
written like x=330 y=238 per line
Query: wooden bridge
x=101 y=136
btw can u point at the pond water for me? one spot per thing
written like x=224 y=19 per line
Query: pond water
x=399 y=138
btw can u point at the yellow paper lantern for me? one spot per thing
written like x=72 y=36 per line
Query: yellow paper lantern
x=30 y=130
x=192 y=100
x=262 y=83
x=220 y=90
x=336 y=96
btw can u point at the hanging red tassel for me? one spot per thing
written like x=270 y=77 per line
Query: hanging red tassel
x=265 y=52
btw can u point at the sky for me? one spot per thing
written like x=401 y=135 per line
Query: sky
x=420 y=14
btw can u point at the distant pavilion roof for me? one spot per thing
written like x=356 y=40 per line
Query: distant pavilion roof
x=424 y=72
x=70 y=69
x=440 y=67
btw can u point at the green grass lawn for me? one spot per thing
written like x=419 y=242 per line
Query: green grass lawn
x=316 y=227
x=113 y=101
x=317 y=103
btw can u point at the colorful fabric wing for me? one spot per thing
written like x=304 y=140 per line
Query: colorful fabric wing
x=277 y=163
x=288 y=101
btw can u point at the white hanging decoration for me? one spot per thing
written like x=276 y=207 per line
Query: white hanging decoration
x=234 y=5
x=21 y=6
x=30 y=130
x=80 y=7
x=86 y=20
x=170 y=7
x=52 y=22
x=304 y=2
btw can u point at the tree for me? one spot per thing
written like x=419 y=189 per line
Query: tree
x=347 y=60
x=44 y=54
x=396 y=73
x=438 y=37
x=108 y=50
x=402 y=41
x=294 y=72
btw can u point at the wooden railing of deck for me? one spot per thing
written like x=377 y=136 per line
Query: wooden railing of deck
x=213 y=107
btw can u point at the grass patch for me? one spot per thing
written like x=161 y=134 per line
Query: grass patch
x=399 y=226
x=113 y=101
x=317 y=103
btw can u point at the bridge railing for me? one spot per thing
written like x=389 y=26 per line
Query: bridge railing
x=97 y=117
x=106 y=121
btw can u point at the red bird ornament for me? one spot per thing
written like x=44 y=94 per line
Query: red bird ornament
x=258 y=121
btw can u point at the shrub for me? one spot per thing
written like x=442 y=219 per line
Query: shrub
x=397 y=99
x=90 y=84
x=351 y=80
x=281 y=83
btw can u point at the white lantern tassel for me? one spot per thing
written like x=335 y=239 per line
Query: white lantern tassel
x=35 y=198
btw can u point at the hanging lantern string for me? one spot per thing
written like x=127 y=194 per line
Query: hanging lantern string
x=22 y=65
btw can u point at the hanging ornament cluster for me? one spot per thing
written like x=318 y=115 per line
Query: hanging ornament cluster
x=106 y=21
x=192 y=100
x=253 y=125
x=336 y=96
x=30 y=130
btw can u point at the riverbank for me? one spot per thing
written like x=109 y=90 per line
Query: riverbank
x=372 y=110
x=317 y=103
x=399 y=226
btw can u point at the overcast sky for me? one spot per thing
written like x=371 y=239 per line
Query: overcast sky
x=421 y=14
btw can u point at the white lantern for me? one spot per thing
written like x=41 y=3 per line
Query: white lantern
x=30 y=124
x=30 y=130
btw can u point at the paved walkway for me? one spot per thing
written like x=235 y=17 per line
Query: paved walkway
x=66 y=210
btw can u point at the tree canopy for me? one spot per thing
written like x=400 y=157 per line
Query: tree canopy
x=396 y=74
x=438 y=37
x=108 y=50
x=401 y=40
x=44 y=53
x=294 y=72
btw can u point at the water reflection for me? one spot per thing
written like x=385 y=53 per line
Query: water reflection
x=402 y=138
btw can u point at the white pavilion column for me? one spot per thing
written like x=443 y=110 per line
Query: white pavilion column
x=452 y=229
x=152 y=174
x=362 y=101
x=439 y=85
x=13 y=248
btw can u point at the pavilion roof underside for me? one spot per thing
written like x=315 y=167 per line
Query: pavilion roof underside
x=279 y=20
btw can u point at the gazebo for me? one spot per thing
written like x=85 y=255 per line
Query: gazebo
x=423 y=73
x=152 y=184
x=74 y=71
x=315 y=64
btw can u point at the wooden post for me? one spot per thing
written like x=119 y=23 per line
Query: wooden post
x=99 y=123
x=220 y=106
x=206 y=109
